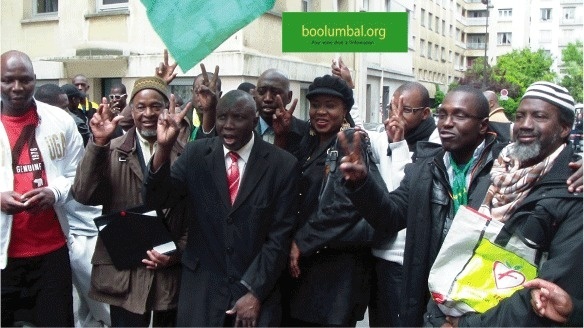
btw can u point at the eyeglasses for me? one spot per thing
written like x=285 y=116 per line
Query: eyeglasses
x=116 y=97
x=407 y=109
x=458 y=117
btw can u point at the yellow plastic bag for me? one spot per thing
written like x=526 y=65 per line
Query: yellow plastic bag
x=471 y=272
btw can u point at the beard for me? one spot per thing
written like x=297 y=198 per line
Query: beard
x=147 y=133
x=525 y=152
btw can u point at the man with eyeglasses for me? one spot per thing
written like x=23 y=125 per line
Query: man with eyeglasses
x=410 y=121
x=117 y=98
x=442 y=179
x=467 y=147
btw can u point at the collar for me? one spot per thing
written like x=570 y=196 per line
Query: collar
x=477 y=154
x=244 y=151
x=263 y=126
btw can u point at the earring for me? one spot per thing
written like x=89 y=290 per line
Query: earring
x=345 y=125
x=312 y=132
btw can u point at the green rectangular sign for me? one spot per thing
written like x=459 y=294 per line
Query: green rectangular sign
x=344 y=32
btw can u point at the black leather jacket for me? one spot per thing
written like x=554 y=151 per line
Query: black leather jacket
x=423 y=205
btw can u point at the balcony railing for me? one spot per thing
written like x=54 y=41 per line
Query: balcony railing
x=475 y=45
x=474 y=21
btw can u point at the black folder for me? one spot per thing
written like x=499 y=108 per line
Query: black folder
x=127 y=236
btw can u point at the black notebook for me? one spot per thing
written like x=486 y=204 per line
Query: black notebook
x=127 y=236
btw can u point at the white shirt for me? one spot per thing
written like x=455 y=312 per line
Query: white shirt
x=243 y=153
x=145 y=146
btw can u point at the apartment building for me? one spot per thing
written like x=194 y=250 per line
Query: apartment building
x=448 y=35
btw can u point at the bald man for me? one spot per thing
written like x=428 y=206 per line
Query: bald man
x=498 y=122
x=496 y=112
x=239 y=235
x=37 y=167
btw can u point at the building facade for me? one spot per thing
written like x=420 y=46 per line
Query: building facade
x=112 y=41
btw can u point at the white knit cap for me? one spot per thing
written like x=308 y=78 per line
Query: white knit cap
x=553 y=94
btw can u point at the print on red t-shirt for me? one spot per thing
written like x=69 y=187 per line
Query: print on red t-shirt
x=37 y=233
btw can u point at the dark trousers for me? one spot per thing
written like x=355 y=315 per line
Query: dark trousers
x=384 y=303
x=38 y=290
x=124 y=318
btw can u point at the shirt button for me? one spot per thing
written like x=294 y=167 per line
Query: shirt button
x=229 y=250
x=231 y=279
x=230 y=220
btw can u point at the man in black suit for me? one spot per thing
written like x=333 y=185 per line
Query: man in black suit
x=240 y=233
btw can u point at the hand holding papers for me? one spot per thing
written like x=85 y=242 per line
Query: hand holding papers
x=128 y=236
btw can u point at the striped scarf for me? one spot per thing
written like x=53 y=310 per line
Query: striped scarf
x=510 y=184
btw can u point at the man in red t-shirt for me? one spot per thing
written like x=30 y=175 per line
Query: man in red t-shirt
x=36 y=282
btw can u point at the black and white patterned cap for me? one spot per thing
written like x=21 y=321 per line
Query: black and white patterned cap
x=551 y=93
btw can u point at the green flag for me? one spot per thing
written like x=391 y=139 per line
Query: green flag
x=192 y=29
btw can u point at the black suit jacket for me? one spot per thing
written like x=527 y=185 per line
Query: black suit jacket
x=230 y=249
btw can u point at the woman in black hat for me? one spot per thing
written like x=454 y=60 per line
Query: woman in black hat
x=330 y=254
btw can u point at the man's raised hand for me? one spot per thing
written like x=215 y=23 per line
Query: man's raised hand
x=169 y=124
x=166 y=71
x=103 y=123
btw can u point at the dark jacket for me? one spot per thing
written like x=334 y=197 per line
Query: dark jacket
x=113 y=176
x=230 y=249
x=423 y=205
x=333 y=287
x=551 y=217
x=298 y=129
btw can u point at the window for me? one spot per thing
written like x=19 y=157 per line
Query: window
x=505 y=14
x=46 y=6
x=342 y=5
x=387 y=5
x=504 y=38
x=476 y=41
x=429 y=50
x=304 y=105
x=365 y=6
x=423 y=18
x=477 y=13
x=546 y=14
x=436 y=52
x=545 y=36
x=430 y=20
x=422 y=44
x=443 y=27
x=414 y=12
x=112 y=4
x=569 y=13
x=437 y=26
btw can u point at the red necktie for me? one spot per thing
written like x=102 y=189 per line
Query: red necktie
x=233 y=176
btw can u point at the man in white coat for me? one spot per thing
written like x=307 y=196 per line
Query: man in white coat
x=40 y=149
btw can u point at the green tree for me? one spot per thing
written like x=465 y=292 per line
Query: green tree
x=573 y=62
x=439 y=96
x=523 y=67
x=514 y=71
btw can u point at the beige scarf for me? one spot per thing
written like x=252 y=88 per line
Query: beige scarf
x=510 y=184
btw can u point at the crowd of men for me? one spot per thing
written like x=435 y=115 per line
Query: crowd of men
x=223 y=174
